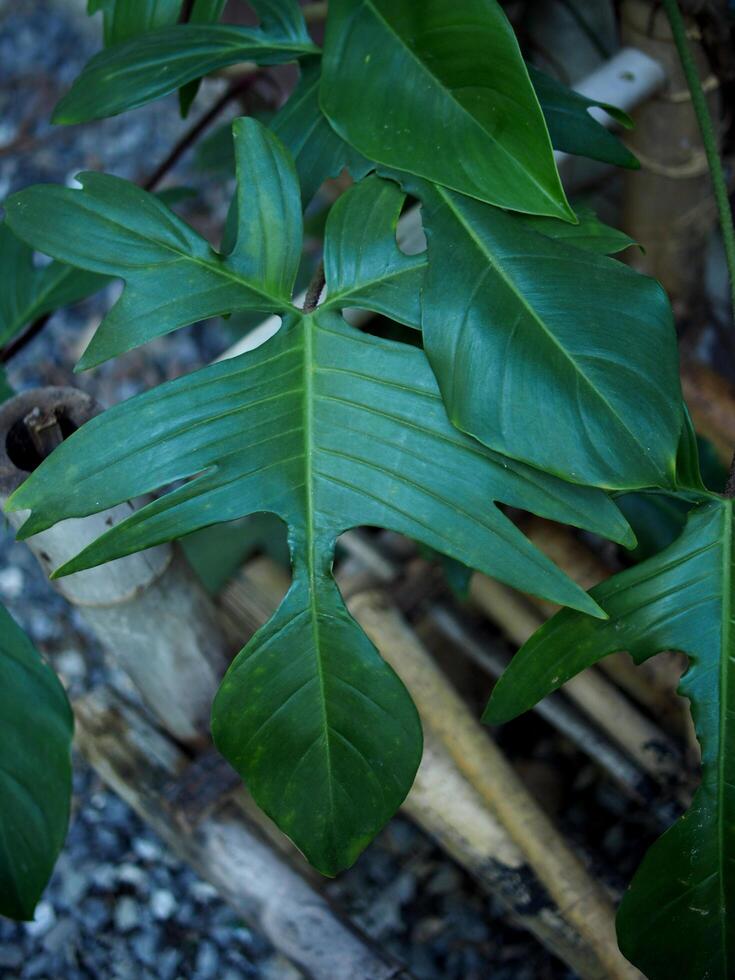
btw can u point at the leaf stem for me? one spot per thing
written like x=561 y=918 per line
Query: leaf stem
x=194 y=132
x=701 y=109
x=314 y=289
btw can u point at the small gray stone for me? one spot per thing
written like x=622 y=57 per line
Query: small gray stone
x=104 y=877
x=146 y=849
x=43 y=920
x=61 y=936
x=163 y=904
x=127 y=914
x=207 y=962
x=202 y=891
x=145 y=946
x=94 y=914
x=168 y=964
x=277 y=967
x=11 y=582
x=131 y=874
x=10 y=956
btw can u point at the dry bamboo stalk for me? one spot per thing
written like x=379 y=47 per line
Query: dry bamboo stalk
x=449 y=809
x=175 y=666
x=654 y=683
x=642 y=739
x=138 y=761
x=442 y=801
x=556 y=709
x=579 y=898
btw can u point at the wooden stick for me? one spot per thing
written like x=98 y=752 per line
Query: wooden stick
x=653 y=683
x=137 y=761
x=556 y=709
x=579 y=899
x=668 y=205
x=598 y=698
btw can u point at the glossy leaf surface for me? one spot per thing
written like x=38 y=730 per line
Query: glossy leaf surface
x=548 y=352
x=35 y=771
x=145 y=68
x=589 y=233
x=678 y=918
x=124 y=20
x=327 y=428
x=573 y=129
x=467 y=116
x=28 y=291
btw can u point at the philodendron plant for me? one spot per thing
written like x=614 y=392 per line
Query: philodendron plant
x=542 y=374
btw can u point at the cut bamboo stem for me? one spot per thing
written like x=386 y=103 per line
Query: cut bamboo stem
x=644 y=741
x=579 y=899
x=137 y=761
x=652 y=684
x=556 y=709
x=148 y=610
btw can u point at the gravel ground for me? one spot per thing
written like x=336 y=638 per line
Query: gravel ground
x=119 y=904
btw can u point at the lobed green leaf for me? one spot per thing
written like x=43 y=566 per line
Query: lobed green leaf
x=326 y=427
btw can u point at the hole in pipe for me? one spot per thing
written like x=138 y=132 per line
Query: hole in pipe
x=21 y=448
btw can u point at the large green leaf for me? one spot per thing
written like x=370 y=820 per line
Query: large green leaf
x=124 y=20
x=678 y=918
x=546 y=351
x=145 y=68
x=28 y=292
x=573 y=129
x=440 y=90
x=35 y=771
x=328 y=428
x=316 y=148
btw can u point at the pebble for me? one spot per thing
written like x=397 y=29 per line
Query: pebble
x=10 y=957
x=43 y=919
x=127 y=914
x=163 y=904
x=207 y=962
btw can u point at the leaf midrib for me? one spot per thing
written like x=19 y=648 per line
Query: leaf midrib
x=536 y=317
x=509 y=156
x=219 y=267
x=308 y=328
x=353 y=292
